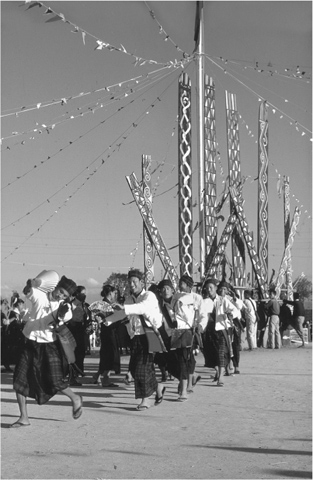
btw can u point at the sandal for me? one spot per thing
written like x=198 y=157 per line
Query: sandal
x=78 y=412
x=220 y=384
x=140 y=408
x=19 y=424
x=182 y=399
x=158 y=400
x=196 y=381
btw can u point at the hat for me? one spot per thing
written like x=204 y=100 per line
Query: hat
x=135 y=273
x=165 y=283
x=187 y=279
x=68 y=285
x=223 y=284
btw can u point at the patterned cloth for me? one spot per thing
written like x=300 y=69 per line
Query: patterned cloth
x=142 y=367
x=223 y=348
x=187 y=362
x=40 y=371
x=210 y=348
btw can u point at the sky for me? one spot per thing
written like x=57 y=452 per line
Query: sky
x=66 y=205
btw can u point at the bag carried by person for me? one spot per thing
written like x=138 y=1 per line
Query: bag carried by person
x=181 y=338
x=155 y=341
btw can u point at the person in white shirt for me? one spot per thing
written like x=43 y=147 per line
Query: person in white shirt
x=221 y=312
x=250 y=317
x=42 y=366
x=226 y=290
x=189 y=314
x=142 y=308
x=166 y=290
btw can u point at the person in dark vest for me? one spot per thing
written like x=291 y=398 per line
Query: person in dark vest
x=298 y=315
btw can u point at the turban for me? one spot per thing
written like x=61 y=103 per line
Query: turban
x=135 y=273
x=68 y=285
x=165 y=283
x=187 y=279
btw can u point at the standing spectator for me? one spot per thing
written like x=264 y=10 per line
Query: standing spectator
x=298 y=315
x=285 y=317
x=272 y=309
x=110 y=359
x=251 y=321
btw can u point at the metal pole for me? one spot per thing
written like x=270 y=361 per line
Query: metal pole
x=200 y=111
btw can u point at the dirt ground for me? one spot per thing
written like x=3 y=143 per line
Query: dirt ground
x=257 y=426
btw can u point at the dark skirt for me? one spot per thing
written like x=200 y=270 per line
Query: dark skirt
x=186 y=361
x=78 y=332
x=141 y=367
x=223 y=348
x=210 y=348
x=110 y=358
x=236 y=346
x=41 y=370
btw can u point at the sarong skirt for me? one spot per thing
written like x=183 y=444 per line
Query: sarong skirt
x=186 y=362
x=40 y=371
x=223 y=348
x=142 y=367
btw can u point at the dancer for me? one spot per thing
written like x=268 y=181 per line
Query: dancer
x=142 y=308
x=80 y=320
x=222 y=311
x=189 y=315
x=110 y=359
x=42 y=366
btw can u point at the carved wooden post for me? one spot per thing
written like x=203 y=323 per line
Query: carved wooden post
x=147 y=244
x=184 y=176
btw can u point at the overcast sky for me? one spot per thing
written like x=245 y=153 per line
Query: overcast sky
x=93 y=232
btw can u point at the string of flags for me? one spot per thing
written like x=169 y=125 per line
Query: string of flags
x=292 y=121
x=47 y=128
x=165 y=36
x=123 y=137
x=70 y=143
x=298 y=72
x=271 y=91
x=101 y=45
x=130 y=83
x=24 y=264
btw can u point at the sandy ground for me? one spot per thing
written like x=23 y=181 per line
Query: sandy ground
x=257 y=426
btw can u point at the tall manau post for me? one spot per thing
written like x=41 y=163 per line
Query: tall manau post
x=147 y=244
x=184 y=176
x=199 y=39
x=286 y=191
x=233 y=152
x=263 y=189
x=209 y=171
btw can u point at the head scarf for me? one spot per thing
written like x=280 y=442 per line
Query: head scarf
x=187 y=279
